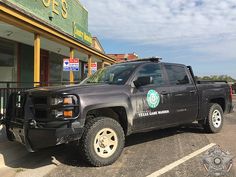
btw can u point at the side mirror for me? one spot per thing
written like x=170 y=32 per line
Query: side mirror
x=142 y=81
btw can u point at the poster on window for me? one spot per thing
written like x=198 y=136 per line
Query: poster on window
x=94 y=68
x=71 y=64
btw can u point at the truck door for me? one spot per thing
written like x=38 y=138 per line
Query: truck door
x=184 y=97
x=151 y=102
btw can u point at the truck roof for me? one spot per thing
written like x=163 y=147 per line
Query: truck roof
x=150 y=59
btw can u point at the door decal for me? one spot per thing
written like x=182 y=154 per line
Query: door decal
x=153 y=99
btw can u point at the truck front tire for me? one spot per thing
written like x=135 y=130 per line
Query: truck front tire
x=214 y=121
x=102 y=141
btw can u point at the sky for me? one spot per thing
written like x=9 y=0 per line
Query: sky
x=200 y=33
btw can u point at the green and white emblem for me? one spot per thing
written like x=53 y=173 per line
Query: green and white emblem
x=153 y=99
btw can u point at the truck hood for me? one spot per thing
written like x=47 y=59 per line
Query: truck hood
x=76 y=89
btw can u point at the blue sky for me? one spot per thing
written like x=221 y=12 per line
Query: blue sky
x=201 y=33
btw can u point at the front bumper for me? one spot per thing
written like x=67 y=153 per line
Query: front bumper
x=38 y=138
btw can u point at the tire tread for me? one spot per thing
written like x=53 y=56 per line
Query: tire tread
x=84 y=142
x=207 y=124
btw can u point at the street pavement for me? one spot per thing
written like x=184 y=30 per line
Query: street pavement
x=144 y=154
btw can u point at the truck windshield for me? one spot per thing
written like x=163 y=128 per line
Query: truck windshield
x=117 y=74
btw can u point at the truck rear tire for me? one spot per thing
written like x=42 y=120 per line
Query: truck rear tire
x=215 y=119
x=102 y=142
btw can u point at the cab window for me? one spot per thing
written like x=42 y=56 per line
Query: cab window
x=153 y=70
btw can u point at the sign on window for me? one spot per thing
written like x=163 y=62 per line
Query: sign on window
x=71 y=64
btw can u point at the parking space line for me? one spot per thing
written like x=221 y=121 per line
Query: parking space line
x=180 y=161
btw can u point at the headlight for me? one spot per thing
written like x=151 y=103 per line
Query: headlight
x=64 y=107
x=57 y=114
x=68 y=114
x=68 y=100
x=63 y=114
x=65 y=101
x=56 y=101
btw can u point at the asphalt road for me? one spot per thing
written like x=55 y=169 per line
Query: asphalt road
x=146 y=153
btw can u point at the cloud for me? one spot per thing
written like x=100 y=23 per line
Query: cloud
x=151 y=21
x=206 y=27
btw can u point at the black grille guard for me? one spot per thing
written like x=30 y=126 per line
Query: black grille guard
x=2 y=119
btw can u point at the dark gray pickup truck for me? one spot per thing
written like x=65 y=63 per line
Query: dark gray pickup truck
x=115 y=102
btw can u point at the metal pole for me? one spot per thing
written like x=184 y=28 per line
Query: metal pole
x=89 y=65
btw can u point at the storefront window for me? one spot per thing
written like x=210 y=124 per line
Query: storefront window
x=55 y=70
x=7 y=53
x=66 y=76
x=7 y=60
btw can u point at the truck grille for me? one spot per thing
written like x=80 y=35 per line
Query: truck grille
x=40 y=100
x=40 y=114
x=41 y=107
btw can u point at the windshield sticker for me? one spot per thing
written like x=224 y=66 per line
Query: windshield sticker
x=153 y=99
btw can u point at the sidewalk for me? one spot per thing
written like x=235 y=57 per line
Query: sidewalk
x=15 y=161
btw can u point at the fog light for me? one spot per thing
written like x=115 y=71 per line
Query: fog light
x=68 y=114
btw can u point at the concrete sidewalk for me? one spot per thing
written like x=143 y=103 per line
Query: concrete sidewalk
x=16 y=161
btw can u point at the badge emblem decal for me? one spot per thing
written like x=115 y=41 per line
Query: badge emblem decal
x=153 y=99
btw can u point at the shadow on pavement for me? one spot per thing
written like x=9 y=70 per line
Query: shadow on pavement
x=15 y=155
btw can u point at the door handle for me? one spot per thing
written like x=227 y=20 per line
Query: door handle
x=180 y=94
x=164 y=93
x=192 y=91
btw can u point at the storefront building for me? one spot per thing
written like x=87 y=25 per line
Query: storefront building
x=123 y=57
x=35 y=37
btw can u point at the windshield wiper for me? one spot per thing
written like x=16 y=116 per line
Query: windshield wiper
x=92 y=82
x=102 y=82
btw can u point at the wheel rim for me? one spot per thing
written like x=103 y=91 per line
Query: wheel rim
x=216 y=118
x=105 y=143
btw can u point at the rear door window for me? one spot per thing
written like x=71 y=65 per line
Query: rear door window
x=177 y=75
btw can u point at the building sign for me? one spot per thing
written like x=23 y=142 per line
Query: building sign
x=61 y=14
x=58 y=8
x=82 y=35
x=70 y=64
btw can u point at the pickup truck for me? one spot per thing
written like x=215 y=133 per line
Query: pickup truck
x=116 y=101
